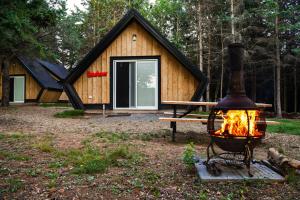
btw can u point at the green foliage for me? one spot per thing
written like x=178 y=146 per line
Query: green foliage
x=33 y=172
x=203 y=195
x=90 y=160
x=288 y=126
x=14 y=184
x=188 y=156
x=69 y=114
x=292 y=178
x=45 y=144
x=113 y=137
x=23 y=23
x=14 y=156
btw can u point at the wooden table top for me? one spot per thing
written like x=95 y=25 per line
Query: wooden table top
x=201 y=103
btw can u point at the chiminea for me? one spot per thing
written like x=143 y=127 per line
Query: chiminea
x=235 y=124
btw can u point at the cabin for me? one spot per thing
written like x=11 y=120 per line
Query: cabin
x=31 y=82
x=133 y=68
x=58 y=72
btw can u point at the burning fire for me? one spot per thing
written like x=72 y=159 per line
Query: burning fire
x=236 y=123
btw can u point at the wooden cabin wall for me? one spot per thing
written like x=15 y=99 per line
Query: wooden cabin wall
x=31 y=86
x=176 y=82
x=63 y=97
x=49 y=96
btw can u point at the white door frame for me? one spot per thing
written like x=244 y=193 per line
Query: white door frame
x=136 y=92
x=22 y=77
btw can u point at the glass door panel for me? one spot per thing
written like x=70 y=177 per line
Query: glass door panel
x=19 y=86
x=146 y=79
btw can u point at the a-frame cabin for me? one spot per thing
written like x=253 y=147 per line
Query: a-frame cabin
x=133 y=67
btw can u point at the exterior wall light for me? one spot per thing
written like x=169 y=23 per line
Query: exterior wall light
x=134 y=37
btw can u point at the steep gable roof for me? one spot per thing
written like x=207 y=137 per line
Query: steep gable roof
x=39 y=73
x=56 y=70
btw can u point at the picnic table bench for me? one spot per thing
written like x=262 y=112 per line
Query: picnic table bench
x=198 y=118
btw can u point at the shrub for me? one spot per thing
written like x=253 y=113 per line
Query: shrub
x=188 y=156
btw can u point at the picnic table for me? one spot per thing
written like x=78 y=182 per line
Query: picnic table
x=176 y=117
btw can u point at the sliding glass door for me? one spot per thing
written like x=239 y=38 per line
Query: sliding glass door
x=135 y=84
x=17 y=89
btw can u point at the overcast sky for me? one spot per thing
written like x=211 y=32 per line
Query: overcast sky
x=72 y=3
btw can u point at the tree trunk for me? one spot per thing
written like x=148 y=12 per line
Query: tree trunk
x=296 y=90
x=285 y=91
x=278 y=77
x=200 y=42
x=5 y=82
x=232 y=19
x=208 y=68
x=222 y=62
x=200 y=37
x=253 y=91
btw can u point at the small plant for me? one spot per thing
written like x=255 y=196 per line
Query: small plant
x=2 y=136
x=69 y=114
x=33 y=172
x=203 y=195
x=45 y=145
x=112 y=137
x=13 y=156
x=14 y=184
x=188 y=156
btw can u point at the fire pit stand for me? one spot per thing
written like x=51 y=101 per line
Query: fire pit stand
x=235 y=124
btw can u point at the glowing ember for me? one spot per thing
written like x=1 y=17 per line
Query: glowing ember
x=235 y=123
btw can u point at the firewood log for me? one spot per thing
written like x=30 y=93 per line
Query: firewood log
x=281 y=160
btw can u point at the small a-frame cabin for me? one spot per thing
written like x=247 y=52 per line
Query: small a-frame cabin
x=31 y=82
x=59 y=72
x=133 y=67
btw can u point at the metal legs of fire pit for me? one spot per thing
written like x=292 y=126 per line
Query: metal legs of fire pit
x=230 y=158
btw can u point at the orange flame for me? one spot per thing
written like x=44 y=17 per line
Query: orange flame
x=235 y=123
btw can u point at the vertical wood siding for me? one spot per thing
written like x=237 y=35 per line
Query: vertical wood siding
x=32 y=87
x=49 y=96
x=176 y=82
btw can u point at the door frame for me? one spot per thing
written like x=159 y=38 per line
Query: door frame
x=112 y=80
x=24 y=88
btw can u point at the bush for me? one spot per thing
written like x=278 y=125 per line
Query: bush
x=188 y=156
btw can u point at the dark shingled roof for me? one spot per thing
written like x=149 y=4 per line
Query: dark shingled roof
x=39 y=73
x=59 y=71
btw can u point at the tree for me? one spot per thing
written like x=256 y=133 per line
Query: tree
x=24 y=27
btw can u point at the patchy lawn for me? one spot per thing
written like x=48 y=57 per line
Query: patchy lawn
x=288 y=126
x=43 y=157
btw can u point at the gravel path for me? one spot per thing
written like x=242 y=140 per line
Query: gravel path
x=35 y=119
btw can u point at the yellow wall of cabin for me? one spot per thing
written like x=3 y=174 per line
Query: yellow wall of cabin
x=49 y=96
x=31 y=86
x=177 y=83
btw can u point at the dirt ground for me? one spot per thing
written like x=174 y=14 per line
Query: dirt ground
x=159 y=174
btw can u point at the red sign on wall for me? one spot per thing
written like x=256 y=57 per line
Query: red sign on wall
x=96 y=74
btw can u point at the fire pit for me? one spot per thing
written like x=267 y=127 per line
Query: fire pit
x=235 y=124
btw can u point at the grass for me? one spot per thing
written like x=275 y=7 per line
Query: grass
x=14 y=156
x=90 y=160
x=45 y=145
x=69 y=114
x=47 y=105
x=13 y=185
x=112 y=137
x=288 y=126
